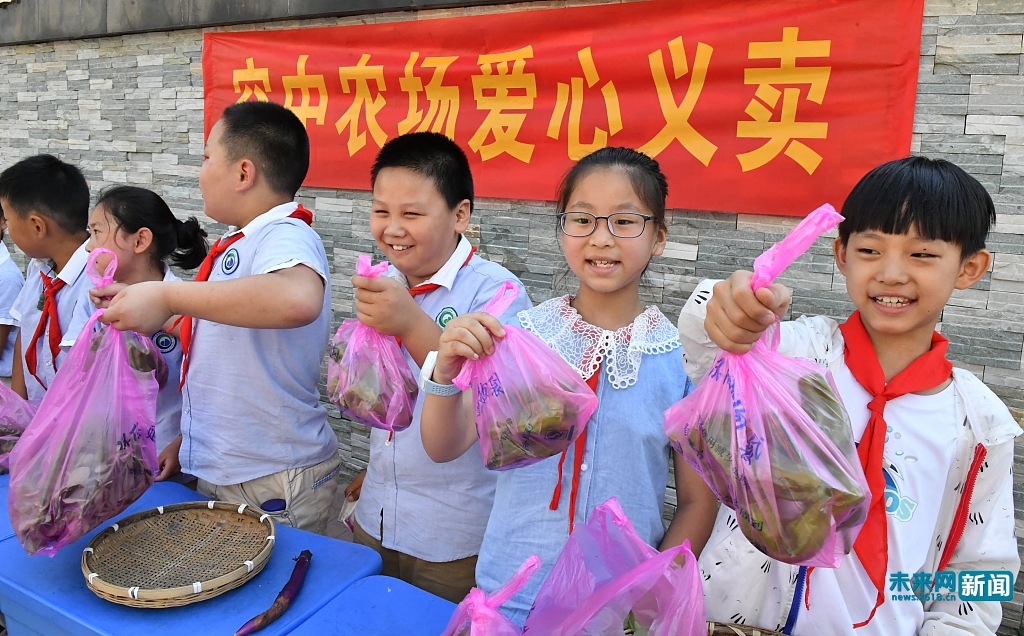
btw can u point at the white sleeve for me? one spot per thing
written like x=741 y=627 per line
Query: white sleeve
x=81 y=314
x=988 y=543
x=288 y=245
x=28 y=295
x=816 y=338
x=11 y=284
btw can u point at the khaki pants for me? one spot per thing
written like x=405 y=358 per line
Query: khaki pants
x=451 y=580
x=308 y=493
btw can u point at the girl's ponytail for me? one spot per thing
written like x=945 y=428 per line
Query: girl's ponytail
x=191 y=241
x=132 y=208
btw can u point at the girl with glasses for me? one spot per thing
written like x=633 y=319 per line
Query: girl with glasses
x=611 y=216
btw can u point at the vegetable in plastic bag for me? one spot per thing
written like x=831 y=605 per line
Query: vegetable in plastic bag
x=607 y=581
x=90 y=450
x=15 y=414
x=367 y=375
x=770 y=436
x=529 y=403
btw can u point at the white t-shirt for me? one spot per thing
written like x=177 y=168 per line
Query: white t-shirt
x=250 y=404
x=435 y=512
x=74 y=308
x=168 y=401
x=920 y=445
x=11 y=283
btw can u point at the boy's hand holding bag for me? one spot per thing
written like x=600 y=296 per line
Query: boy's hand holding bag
x=367 y=375
x=770 y=436
x=90 y=450
x=528 y=403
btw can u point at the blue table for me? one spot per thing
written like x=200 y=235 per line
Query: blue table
x=6 y=531
x=382 y=606
x=41 y=596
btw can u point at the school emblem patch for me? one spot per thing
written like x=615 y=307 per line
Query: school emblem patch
x=446 y=316
x=230 y=262
x=164 y=342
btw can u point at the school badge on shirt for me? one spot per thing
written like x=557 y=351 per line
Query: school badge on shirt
x=446 y=316
x=229 y=264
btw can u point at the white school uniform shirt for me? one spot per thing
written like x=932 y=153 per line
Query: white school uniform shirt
x=168 y=401
x=11 y=283
x=931 y=442
x=74 y=309
x=434 y=512
x=250 y=404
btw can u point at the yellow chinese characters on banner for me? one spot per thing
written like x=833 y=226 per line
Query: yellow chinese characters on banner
x=785 y=132
x=747 y=107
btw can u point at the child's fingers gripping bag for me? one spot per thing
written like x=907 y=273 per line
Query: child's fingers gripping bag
x=90 y=450
x=608 y=582
x=479 y=615
x=770 y=436
x=15 y=414
x=367 y=376
x=529 y=404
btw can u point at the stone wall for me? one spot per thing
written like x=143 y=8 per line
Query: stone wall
x=128 y=109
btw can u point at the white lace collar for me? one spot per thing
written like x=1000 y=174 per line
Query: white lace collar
x=585 y=346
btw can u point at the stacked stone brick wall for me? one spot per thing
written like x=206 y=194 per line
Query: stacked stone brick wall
x=129 y=109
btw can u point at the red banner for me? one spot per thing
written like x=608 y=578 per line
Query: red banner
x=749 y=106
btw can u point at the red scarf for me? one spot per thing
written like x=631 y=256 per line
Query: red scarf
x=927 y=372
x=205 y=269
x=580 y=447
x=426 y=288
x=50 y=288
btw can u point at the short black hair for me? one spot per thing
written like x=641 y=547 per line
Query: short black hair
x=935 y=197
x=133 y=208
x=49 y=186
x=273 y=138
x=434 y=156
x=645 y=175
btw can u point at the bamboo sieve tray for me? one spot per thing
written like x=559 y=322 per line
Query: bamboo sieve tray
x=178 y=554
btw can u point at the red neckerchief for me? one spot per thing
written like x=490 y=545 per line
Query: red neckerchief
x=50 y=288
x=580 y=447
x=205 y=269
x=927 y=372
x=426 y=288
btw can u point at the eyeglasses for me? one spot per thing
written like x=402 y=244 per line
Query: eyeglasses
x=621 y=225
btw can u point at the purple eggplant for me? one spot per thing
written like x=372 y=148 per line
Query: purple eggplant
x=283 y=600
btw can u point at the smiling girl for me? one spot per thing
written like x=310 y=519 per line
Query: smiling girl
x=611 y=215
x=142 y=232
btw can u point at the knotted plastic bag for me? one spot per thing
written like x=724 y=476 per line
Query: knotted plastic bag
x=478 y=614
x=770 y=436
x=15 y=414
x=608 y=582
x=367 y=376
x=529 y=403
x=90 y=450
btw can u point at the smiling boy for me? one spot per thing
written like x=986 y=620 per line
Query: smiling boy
x=426 y=520
x=935 y=443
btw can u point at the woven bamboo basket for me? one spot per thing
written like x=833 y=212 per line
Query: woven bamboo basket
x=722 y=629
x=179 y=554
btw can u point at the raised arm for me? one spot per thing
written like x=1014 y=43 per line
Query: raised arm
x=446 y=425
x=282 y=299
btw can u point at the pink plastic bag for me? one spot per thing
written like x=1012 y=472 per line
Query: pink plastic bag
x=607 y=579
x=367 y=376
x=478 y=614
x=770 y=436
x=90 y=450
x=530 y=404
x=15 y=414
